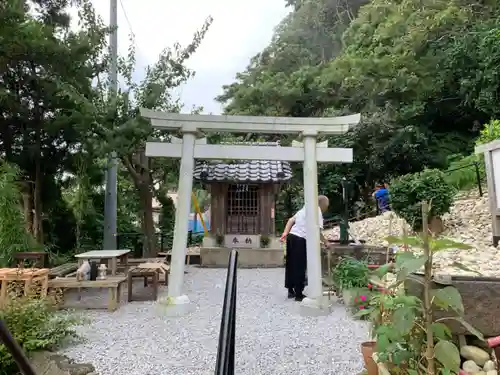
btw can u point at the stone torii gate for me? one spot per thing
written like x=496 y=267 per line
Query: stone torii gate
x=307 y=151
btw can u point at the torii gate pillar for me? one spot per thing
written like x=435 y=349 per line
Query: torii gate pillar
x=181 y=226
x=308 y=152
x=315 y=283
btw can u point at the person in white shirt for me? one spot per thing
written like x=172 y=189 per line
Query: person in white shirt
x=296 y=253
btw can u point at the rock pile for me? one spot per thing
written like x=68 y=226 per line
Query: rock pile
x=468 y=222
x=55 y=364
x=478 y=361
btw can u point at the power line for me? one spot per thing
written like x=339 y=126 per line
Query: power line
x=127 y=19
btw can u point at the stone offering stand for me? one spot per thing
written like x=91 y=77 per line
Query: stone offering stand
x=374 y=255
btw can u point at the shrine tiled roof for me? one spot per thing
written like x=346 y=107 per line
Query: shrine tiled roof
x=244 y=171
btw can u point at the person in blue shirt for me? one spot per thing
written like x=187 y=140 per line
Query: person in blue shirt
x=381 y=195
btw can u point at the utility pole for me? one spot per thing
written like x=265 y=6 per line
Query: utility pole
x=110 y=203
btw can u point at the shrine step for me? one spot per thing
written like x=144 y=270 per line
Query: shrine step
x=217 y=257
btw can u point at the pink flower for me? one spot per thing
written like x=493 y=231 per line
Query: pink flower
x=361 y=307
x=363 y=298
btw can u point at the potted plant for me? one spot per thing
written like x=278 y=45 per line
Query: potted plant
x=264 y=241
x=372 y=310
x=219 y=240
x=408 y=337
x=349 y=276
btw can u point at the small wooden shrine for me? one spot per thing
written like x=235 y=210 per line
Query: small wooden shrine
x=243 y=195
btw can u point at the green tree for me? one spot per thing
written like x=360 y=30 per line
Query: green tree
x=13 y=235
x=421 y=72
x=124 y=131
x=46 y=72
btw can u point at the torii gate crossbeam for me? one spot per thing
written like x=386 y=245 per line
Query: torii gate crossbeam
x=309 y=152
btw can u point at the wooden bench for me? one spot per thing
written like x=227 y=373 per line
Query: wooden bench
x=189 y=254
x=113 y=283
x=63 y=270
x=28 y=276
x=145 y=273
x=136 y=261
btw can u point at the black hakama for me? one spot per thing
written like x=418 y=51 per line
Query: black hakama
x=296 y=264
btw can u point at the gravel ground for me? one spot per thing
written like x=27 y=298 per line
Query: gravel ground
x=271 y=337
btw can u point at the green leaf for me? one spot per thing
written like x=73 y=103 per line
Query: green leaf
x=410 y=265
x=441 y=331
x=403 y=319
x=382 y=343
x=410 y=241
x=401 y=276
x=448 y=298
x=382 y=270
x=363 y=312
x=463 y=267
x=412 y=372
x=469 y=328
x=404 y=257
x=407 y=300
x=444 y=244
x=448 y=355
x=374 y=279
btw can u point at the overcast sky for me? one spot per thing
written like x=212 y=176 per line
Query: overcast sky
x=240 y=29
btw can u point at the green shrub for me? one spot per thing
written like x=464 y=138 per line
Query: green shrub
x=36 y=326
x=350 y=273
x=408 y=191
x=13 y=235
x=490 y=132
x=461 y=173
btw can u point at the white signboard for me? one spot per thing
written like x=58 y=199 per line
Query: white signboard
x=495 y=158
x=237 y=241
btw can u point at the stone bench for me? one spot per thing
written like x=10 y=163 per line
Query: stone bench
x=113 y=283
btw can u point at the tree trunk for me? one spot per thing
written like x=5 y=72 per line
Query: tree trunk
x=37 y=191
x=27 y=195
x=148 y=225
x=138 y=167
x=37 y=204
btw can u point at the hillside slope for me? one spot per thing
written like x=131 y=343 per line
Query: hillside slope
x=469 y=221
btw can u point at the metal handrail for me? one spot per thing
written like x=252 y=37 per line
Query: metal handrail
x=225 y=351
x=15 y=350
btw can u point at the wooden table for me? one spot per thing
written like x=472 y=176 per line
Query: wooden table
x=111 y=256
x=28 y=275
x=190 y=251
x=144 y=273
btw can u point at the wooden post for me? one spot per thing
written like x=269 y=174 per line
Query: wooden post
x=429 y=354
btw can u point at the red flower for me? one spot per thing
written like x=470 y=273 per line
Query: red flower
x=370 y=286
x=361 y=307
x=356 y=299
